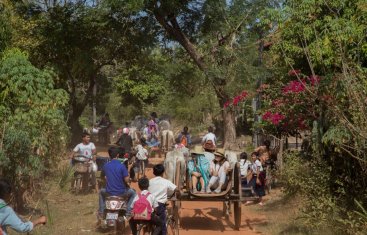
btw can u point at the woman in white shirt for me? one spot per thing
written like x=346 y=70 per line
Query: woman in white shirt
x=219 y=168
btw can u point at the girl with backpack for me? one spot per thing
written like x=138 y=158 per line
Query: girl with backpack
x=144 y=206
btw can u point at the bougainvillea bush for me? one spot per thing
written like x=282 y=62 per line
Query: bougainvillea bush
x=324 y=44
x=291 y=105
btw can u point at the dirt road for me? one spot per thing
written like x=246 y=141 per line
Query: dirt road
x=76 y=214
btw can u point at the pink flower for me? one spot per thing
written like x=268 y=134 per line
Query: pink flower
x=267 y=115
x=277 y=118
x=236 y=100
x=274 y=118
x=294 y=87
x=294 y=72
x=226 y=104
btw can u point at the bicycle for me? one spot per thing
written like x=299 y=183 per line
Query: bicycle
x=141 y=168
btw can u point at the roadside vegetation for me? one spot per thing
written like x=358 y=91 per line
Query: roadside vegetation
x=285 y=68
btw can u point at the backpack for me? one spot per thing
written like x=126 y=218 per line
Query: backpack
x=142 y=209
x=141 y=154
x=209 y=145
x=183 y=140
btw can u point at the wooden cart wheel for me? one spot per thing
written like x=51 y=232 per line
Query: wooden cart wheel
x=78 y=184
x=237 y=214
x=188 y=180
x=176 y=216
x=173 y=221
x=237 y=179
x=238 y=191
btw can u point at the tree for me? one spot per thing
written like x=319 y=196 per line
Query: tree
x=78 y=40
x=33 y=130
x=214 y=36
x=323 y=44
x=5 y=26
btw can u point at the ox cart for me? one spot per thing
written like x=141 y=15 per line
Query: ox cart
x=231 y=196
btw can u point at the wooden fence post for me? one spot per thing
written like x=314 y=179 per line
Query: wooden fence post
x=280 y=155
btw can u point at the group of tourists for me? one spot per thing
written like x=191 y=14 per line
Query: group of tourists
x=253 y=170
x=208 y=168
x=209 y=174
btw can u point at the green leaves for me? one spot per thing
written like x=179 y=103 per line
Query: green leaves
x=32 y=118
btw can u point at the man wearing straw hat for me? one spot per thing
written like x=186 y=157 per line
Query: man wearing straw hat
x=219 y=168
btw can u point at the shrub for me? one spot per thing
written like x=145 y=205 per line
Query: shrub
x=323 y=208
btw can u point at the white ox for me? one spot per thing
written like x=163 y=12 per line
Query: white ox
x=232 y=157
x=167 y=140
x=134 y=133
x=172 y=157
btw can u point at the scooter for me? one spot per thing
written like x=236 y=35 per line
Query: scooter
x=81 y=176
x=113 y=216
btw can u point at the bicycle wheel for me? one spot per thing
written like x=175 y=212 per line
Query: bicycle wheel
x=172 y=222
x=78 y=184
x=172 y=226
x=119 y=227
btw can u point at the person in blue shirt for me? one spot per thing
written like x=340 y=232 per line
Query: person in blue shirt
x=117 y=182
x=8 y=218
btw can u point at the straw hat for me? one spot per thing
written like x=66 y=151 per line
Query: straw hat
x=219 y=152
x=198 y=149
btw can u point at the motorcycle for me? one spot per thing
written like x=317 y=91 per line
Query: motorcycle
x=113 y=216
x=81 y=166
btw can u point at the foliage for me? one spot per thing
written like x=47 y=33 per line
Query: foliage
x=320 y=211
x=66 y=175
x=322 y=42
x=32 y=120
x=5 y=26
x=215 y=36
x=82 y=42
x=143 y=82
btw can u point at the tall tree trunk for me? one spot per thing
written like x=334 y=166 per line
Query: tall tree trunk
x=75 y=128
x=229 y=124
x=171 y=26
x=76 y=110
